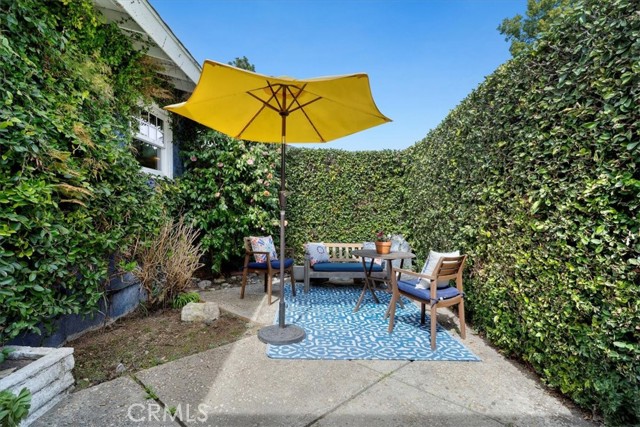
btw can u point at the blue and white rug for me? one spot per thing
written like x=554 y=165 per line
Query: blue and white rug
x=334 y=331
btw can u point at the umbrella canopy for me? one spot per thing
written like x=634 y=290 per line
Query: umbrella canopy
x=251 y=106
x=255 y=107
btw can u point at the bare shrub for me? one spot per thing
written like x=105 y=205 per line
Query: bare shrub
x=167 y=262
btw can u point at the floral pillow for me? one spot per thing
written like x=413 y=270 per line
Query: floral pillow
x=430 y=265
x=317 y=253
x=263 y=244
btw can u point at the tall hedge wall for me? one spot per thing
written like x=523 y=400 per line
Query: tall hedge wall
x=71 y=192
x=536 y=176
x=343 y=196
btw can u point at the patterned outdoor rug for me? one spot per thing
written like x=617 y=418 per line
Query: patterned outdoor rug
x=334 y=331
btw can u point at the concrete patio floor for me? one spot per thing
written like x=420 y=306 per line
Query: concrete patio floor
x=238 y=385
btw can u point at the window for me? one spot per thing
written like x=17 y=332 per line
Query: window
x=152 y=142
x=147 y=155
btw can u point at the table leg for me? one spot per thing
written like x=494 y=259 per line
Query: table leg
x=398 y=278
x=367 y=285
x=371 y=282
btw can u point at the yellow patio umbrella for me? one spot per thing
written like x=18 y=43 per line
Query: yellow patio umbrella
x=255 y=107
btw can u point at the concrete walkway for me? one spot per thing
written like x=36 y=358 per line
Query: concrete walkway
x=238 y=385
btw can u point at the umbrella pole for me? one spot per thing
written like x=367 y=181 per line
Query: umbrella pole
x=282 y=334
x=283 y=209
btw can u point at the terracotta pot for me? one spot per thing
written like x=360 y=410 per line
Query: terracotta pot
x=383 y=247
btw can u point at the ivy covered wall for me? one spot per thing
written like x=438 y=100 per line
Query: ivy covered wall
x=229 y=190
x=71 y=192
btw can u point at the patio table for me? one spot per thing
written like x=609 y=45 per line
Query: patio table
x=368 y=280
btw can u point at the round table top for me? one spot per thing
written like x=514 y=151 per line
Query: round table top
x=371 y=253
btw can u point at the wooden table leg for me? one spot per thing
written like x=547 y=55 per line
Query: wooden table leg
x=371 y=284
x=367 y=285
x=398 y=278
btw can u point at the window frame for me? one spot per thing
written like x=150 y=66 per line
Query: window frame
x=165 y=150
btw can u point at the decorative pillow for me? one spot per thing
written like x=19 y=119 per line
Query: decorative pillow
x=398 y=244
x=317 y=253
x=263 y=244
x=371 y=246
x=430 y=265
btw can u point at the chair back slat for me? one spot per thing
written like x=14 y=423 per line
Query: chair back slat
x=341 y=252
x=449 y=267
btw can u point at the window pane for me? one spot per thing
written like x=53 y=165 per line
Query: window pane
x=147 y=154
x=150 y=128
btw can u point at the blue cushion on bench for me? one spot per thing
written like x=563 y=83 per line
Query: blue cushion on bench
x=274 y=264
x=344 y=266
x=409 y=287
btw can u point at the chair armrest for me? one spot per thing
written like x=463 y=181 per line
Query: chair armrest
x=412 y=273
x=258 y=252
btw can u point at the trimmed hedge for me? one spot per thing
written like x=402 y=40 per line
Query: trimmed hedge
x=343 y=196
x=535 y=175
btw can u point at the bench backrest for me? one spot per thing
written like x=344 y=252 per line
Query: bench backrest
x=341 y=252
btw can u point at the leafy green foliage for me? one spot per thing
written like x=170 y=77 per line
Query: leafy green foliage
x=243 y=63
x=522 y=32
x=343 y=196
x=185 y=298
x=4 y=354
x=535 y=176
x=14 y=408
x=230 y=189
x=71 y=192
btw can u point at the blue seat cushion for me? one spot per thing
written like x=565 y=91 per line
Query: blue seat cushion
x=412 y=281
x=409 y=287
x=345 y=266
x=275 y=264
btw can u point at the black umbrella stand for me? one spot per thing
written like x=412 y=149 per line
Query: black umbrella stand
x=282 y=334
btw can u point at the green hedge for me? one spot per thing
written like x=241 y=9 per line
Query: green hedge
x=535 y=175
x=343 y=196
x=71 y=193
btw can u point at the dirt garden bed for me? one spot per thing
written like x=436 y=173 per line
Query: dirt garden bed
x=140 y=341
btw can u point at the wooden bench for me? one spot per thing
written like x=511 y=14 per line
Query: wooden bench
x=342 y=264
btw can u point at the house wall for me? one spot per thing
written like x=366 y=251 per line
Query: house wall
x=121 y=298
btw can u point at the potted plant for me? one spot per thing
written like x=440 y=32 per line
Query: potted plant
x=383 y=244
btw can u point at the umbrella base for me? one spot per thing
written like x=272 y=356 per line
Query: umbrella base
x=275 y=335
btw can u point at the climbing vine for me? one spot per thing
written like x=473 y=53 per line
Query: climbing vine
x=71 y=193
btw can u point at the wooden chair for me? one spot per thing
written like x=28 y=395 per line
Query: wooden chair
x=447 y=268
x=269 y=269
